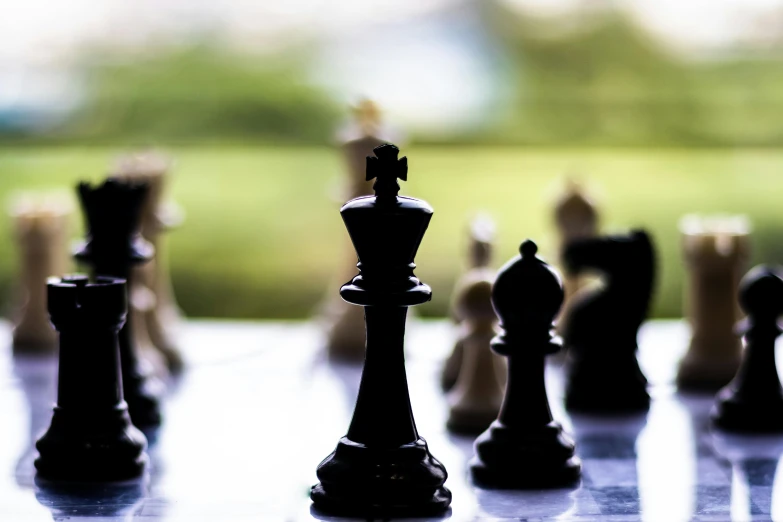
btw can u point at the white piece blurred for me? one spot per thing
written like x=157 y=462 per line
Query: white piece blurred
x=41 y=222
x=715 y=251
x=163 y=317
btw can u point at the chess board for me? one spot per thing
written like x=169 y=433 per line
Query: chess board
x=258 y=408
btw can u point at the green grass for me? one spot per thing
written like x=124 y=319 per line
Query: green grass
x=263 y=236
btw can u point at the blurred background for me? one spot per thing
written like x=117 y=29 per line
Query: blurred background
x=659 y=108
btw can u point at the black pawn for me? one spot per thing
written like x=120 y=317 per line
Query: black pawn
x=113 y=247
x=525 y=448
x=600 y=334
x=382 y=467
x=753 y=401
x=91 y=438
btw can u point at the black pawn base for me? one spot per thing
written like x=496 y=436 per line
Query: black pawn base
x=735 y=414
x=604 y=387
x=89 y=448
x=508 y=458
x=402 y=482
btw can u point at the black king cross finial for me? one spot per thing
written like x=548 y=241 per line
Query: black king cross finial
x=386 y=168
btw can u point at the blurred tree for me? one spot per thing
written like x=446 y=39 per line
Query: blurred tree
x=200 y=94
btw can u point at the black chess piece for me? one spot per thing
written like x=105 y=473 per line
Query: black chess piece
x=90 y=438
x=382 y=467
x=525 y=448
x=753 y=401
x=602 y=373
x=114 y=245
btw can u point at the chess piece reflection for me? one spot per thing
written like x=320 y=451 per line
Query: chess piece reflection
x=42 y=225
x=382 y=467
x=754 y=466
x=152 y=296
x=344 y=323
x=602 y=371
x=481 y=237
x=753 y=401
x=715 y=252
x=576 y=218
x=116 y=501
x=525 y=448
x=113 y=247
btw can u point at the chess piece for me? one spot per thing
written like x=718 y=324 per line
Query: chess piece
x=113 y=247
x=161 y=315
x=576 y=218
x=42 y=224
x=91 y=438
x=602 y=372
x=475 y=400
x=382 y=467
x=344 y=322
x=525 y=448
x=753 y=401
x=482 y=234
x=715 y=252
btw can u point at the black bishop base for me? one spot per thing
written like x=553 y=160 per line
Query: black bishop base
x=91 y=438
x=753 y=401
x=525 y=448
x=382 y=467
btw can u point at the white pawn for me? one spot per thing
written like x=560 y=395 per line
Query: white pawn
x=715 y=250
x=42 y=226
x=476 y=397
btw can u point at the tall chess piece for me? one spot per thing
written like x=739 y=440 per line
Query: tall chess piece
x=715 y=251
x=525 y=448
x=482 y=235
x=475 y=400
x=382 y=467
x=113 y=247
x=161 y=315
x=345 y=323
x=576 y=218
x=753 y=401
x=42 y=224
x=91 y=438
x=602 y=373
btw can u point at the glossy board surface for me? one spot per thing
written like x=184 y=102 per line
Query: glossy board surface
x=258 y=407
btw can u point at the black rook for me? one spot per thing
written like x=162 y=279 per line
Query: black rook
x=91 y=437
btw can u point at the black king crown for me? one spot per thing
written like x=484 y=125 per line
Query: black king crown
x=386 y=231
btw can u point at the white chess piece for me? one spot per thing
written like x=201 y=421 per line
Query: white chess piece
x=715 y=250
x=42 y=223
x=476 y=397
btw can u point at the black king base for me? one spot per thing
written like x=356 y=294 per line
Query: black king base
x=382 y=467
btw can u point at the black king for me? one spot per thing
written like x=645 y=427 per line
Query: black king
x=382 y=467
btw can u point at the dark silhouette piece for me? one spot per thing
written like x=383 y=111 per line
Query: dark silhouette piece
x=753 y=401
x=91 y=437
x=525 y=448
x=114 y=245
x=603 y=374
x=382 y=467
